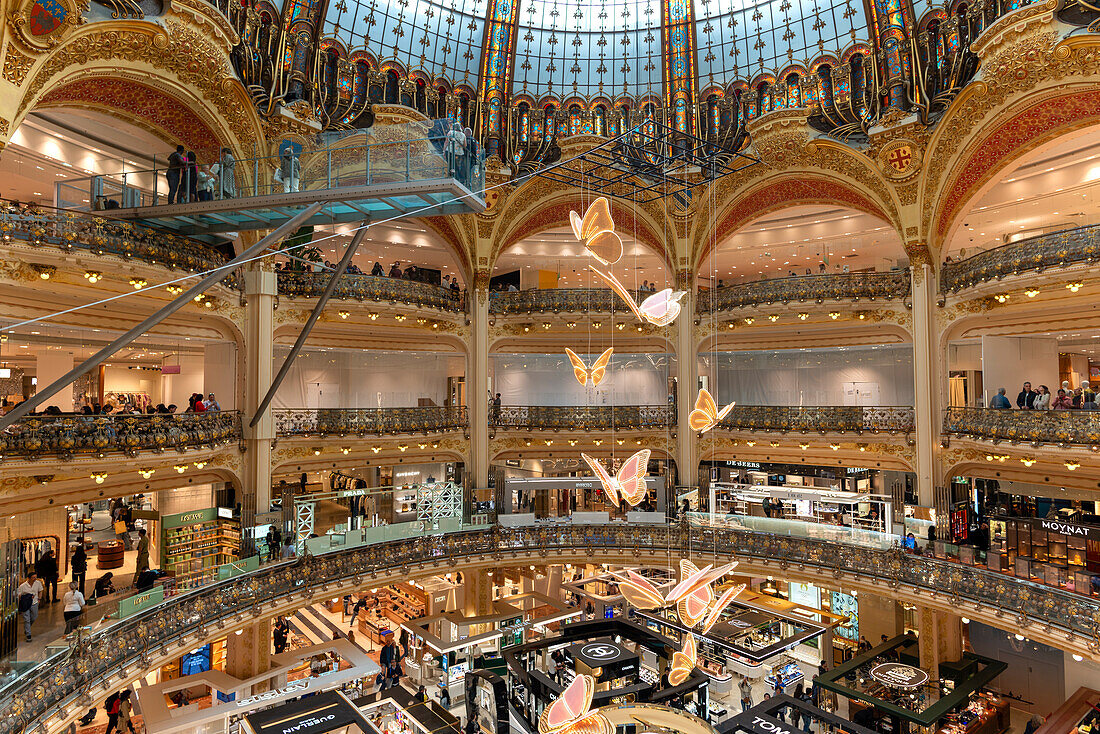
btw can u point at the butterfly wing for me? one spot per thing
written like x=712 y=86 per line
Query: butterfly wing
x=720 y=606
x=724 y=412
x=662 y=308
x=697 y=580
x=593 y=723
x=609 y=484
x=606 y=246
x=580 y=370
x=616 y=286
x=599 y=367
x=638 y=590
x=570 y=707
x=683 y=662
x=705 y=415
x=577 y=224
x=693 y=607
x=597 y=218
x=631 y=477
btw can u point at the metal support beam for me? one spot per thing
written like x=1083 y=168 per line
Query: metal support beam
x=317 y=309
x=44 y=393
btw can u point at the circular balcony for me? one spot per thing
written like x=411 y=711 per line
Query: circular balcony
x=377 y=289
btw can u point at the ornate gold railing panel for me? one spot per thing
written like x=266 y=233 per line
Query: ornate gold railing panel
x=102 y=236
x=799 y=288
x=182 y=619
x=372 y=288
x=820 y=419
x=560 y=300
x=65 y=436
x=1045 y=251
x=1080 y=427
x=584 y=417
x=368 y=421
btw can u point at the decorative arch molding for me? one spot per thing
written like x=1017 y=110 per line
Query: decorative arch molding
x=447 y=229
x=782 y=192
x=1012 y=470
x=1027 y=126
x=180 y=59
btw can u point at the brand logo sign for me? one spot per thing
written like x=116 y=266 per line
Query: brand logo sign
x=277 y=693
x=770 y=726
x=1066 y=528
x=899 y=675
x=309 y=723
x=600 y=651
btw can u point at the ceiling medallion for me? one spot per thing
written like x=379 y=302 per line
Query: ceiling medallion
x=899 y=159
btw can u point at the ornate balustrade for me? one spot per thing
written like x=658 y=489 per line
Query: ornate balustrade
x=820 y=419
x=368 y=421
x=137 y=642
x=560 y=300
x=1054 y=250
x=102 y=236
x=1080 y=427
x=584 y=417
x=798 y=288
x=372 y=288
x=74 y=434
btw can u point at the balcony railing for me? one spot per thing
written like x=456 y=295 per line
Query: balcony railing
x=820 y=419
x=372 y=288
x=368 y=421
x=799 y=288
x=560 y=300
x=144 y=638
x=584 y=417
x=68 y=435
x=1054 y=250
x=1080 y=427
x=102 y=236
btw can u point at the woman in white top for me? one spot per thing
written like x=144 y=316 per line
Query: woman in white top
x=1042 y=400
x=74 y=607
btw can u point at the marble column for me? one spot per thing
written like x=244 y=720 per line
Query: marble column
x=687 y=371
x=248 y=653
x=939 y=638
x=477 y=380
x=926 y=373
x=260 y=293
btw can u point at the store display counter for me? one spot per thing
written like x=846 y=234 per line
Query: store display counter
x=110 y=554
x=986 y=714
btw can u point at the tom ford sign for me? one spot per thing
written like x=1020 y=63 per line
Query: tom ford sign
x=899 y=675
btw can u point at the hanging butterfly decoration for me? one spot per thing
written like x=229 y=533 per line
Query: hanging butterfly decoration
x=683 y=661
x=571 y=712
x=706 y=414
x=597 y=231
x=628 y=483
x=693 y=595
x=595 y=372
x=660 y=309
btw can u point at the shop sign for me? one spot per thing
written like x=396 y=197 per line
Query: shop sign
x=276 y=693
x=768 y=725
x=134 y=604
x=899 y=675
x=742 y=464
x=225 y=513
x=1067 y=528
x=857 y=469
x=189 y=518
x=600 y=651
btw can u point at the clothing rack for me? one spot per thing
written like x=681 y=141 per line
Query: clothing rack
x=33 y=548
x=127 y=399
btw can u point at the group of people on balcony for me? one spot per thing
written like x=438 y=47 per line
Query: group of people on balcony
x=461 y=147
x=1067 y=398
x=188 y=180
x=412 y=272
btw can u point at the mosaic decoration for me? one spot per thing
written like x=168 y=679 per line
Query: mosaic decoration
x=594 y=373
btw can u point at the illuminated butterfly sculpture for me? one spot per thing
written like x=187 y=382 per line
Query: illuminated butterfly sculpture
x=628 y=483
x=584 y=372
x=706 y=414
x=693 y=596
x=660 y=309
x=571 y=712
x=683 y=661
x=597 y=231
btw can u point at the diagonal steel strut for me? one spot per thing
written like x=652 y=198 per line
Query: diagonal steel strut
x=179 y=302
x=300 y=342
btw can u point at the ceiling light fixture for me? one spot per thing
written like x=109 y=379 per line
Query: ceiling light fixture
x=146 y=473
x=1074 y=287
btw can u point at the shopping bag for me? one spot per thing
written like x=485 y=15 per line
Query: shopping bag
x=120 y=527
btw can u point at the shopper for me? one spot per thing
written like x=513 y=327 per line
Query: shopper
x=177 y=162
x=281 y=634
x=1042 y=398
x=272 y=546
x=421 y=695
x=746 y=693
x=1062 y=401
x=79 y=565
x=142 y=554
x=1000 y=400
x=212 y=403
x=73 y=607
x=1026 y=399
x=46 y=566
x=125 y=711
x=112 y=706
x=104 y=585
x=288 y=550
x=28 y=596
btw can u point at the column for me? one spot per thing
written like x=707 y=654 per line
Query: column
x=687 y=370
x=260 y=292
x=477 y=379
x=939 y=639
x=51 y=365
x=248 y=652
x=478 y=588
x=927 y=388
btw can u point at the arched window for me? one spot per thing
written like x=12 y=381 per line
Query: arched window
x=601 y=120
x=441 y=103
x=713 y=121
x=464 y=109
x=574 y=119
x=391 y=87
x=794 y=90
x=421 y=96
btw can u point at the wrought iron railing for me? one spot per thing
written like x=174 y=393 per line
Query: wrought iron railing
x=1039 y=253
x=1080 y=427
x=583 y=417
x=372 y=288
x=367 y=421
x=799 y=288
x=560 y=300
x=820 y=419
x=70 y=434
x=141 y=640
x=102 y=236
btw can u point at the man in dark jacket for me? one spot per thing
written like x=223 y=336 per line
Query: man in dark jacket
x=79 y=564
x=177 y=162
x=46 y=566
x=1026 y=399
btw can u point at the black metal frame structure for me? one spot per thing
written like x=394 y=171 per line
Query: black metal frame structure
x=763 y=718
x=649 y=162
